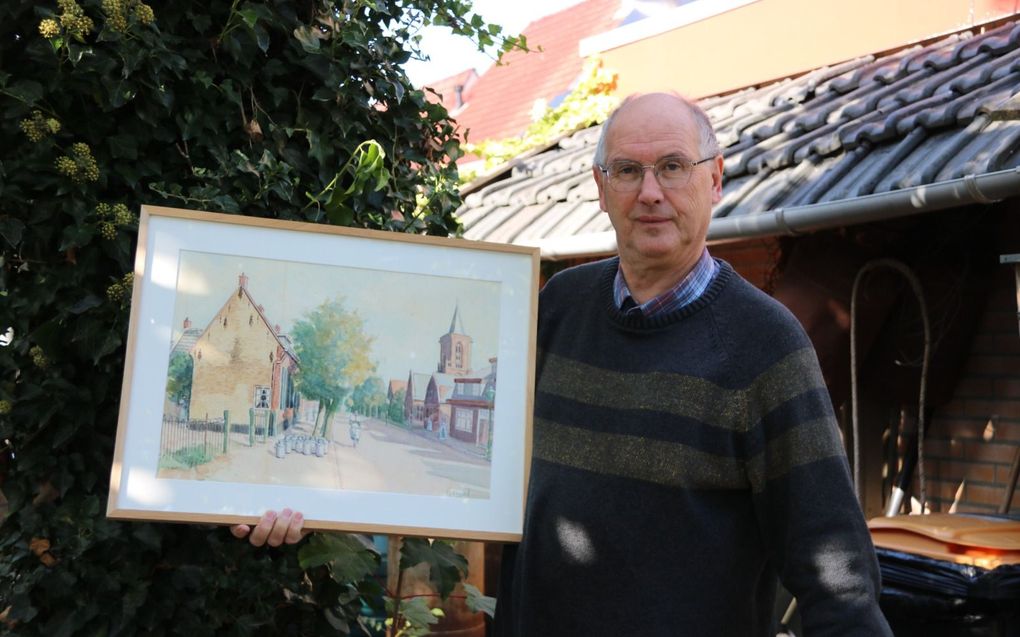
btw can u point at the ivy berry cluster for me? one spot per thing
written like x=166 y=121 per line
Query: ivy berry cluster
x=80 y=165
x=120 y=292
x=113 y=217
x=73 y=21
x=118 y=11
x=39 y=127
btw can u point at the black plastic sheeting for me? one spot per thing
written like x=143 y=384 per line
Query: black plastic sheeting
x=926 y=597
x=927 y=575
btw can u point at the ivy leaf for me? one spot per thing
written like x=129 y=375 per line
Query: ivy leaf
x=446 y=566
x=477 y=602
x=85 y=304
x=249 y=15
x=10 y=230
x=123 y=146
x=349 y=557
x=261 y=37
x=417 y=611
x=27 y=91
x=307 y=38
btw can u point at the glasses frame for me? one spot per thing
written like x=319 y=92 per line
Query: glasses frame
x=692 y=164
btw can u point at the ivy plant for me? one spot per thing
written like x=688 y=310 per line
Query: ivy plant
x=290 y=109
x=590 y=102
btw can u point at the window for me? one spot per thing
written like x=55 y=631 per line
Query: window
x=464 y=421
x=261 y=397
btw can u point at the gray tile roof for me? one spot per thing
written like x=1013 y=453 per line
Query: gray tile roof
x=837 y=139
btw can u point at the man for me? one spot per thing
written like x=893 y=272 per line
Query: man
x=685 y=453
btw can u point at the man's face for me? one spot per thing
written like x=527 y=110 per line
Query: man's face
x=655 y=227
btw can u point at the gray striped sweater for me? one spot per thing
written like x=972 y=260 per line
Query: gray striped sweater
x=682 y=465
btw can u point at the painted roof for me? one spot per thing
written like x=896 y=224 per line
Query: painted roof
x=853 y=132
x=456 y=324
x=501 y=101
x=419 y=383
x=187 y=340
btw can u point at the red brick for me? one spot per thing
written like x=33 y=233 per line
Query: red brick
x=1006 y=387
x=940 y=448
x=936 y=488
x=1002 y=473
x=988 y=451
x=957 y=470
x=1007 y=431
x=976 y=387
x=958 y=428
x=989 y=408
x=985 y=494
x=1000 y=321
x=991 y=365
x=998 y=341
x=975 y=507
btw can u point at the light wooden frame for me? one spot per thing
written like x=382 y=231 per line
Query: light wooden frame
x=495 y=281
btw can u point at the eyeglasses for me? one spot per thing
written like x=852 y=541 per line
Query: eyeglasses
x=671 y=173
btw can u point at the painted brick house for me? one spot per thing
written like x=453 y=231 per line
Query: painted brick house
x=242 y=361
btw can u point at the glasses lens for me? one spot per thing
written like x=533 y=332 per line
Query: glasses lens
x=673 y=172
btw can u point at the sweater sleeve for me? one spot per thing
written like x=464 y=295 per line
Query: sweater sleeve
x=807 y=511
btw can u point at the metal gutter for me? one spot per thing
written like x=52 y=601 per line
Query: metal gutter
x=983 y=189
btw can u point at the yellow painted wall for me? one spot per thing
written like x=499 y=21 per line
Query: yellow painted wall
x=772 y=39
x=235 y=359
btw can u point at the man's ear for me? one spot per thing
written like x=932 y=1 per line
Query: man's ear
x=717 y=176
x=598 y=176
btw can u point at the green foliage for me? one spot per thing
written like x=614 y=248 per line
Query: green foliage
x=590 y=102
x=334 y=352
x=245 y=106
x=395 y=409
x=186 y=458
x=350 y=558
x=446 y=566
x=369 y=395
x=179 y=376
x=477 y=602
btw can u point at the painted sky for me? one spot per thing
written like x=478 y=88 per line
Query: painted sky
x=405 y=314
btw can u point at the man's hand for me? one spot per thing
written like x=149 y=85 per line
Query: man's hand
x=273 y=529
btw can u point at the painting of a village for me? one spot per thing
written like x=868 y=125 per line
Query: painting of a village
x=341 y=378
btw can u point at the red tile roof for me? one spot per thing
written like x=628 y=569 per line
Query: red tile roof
x=501 y=101
x=448 y=87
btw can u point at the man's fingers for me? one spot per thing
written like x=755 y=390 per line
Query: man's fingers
x=279 y=531
x=262 y=530
x=240 y=531
x=294 y=531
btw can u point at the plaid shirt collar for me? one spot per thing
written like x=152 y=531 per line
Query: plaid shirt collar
x=686 y=291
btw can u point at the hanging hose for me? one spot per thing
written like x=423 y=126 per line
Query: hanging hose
x=919 y=293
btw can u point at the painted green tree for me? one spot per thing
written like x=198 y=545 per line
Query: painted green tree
x=396 y=406
x=290 y=109
x=334 y=351
x=369 y=396
x=179 y=376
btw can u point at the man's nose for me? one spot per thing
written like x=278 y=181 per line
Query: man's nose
x=651 y=191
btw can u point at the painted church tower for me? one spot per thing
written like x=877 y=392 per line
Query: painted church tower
x=455 y=348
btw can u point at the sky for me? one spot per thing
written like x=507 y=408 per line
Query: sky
x=404 y=315
x=451 y=54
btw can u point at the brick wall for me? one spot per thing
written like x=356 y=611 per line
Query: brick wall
x=974 y=438
x=755 y=259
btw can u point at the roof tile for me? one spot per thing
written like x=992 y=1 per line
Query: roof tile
x=870 y=125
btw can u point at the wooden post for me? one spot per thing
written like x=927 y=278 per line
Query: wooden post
x=226 y=428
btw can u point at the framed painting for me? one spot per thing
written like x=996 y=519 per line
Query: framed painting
x=378 y=382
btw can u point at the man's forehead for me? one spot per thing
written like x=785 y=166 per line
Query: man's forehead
x=659 y=122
